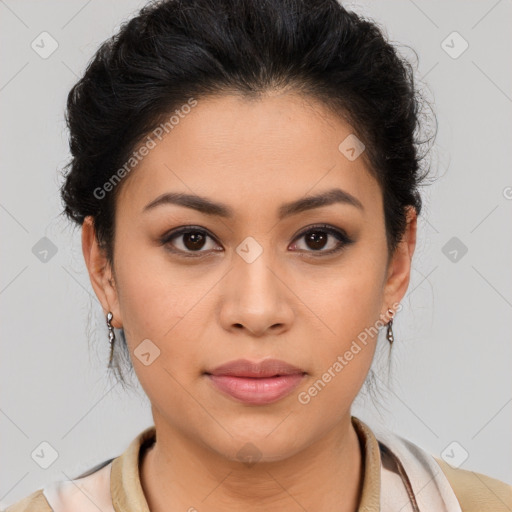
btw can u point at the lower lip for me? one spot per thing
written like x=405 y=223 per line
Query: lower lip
x=256 y=391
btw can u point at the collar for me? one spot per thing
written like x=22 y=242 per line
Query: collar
x=128 y=495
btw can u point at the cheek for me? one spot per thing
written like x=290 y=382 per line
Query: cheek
x=152 y=299
x=168 y=305
x=342 y=357
x=348 y=304
x=347 y=300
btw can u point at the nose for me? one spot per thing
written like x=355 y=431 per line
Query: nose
x=256 y=297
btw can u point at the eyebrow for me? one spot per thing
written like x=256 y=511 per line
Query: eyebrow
x=209 y=207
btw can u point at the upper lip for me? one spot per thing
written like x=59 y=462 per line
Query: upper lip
x=247 y=368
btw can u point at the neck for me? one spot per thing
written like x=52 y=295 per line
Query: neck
x=178 y=474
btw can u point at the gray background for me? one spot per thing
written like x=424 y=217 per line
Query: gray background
x=451 y=378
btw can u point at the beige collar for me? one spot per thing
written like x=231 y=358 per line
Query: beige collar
x=398 y=475
x=128 y=496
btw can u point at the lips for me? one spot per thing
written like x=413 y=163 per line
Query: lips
x=265 y=368
x=254 y=383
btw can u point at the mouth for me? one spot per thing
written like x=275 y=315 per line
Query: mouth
x=256 y=383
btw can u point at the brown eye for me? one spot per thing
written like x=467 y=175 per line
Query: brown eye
x=193 y=240
x=188 y=240
x=322 y=239
x=316 y=239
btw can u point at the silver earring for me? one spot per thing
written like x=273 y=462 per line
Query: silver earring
x=111 y=337
x=389 y=334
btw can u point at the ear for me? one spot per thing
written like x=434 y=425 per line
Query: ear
x=399 y=267
x=100 y=272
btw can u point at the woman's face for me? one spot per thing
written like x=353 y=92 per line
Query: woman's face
x=266 y=281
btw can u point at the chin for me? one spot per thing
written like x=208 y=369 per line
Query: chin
x=267 y=441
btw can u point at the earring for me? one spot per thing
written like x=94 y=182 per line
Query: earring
x=111 y=337
x=389 y=334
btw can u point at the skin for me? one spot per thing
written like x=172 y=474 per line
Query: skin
x=291 y=303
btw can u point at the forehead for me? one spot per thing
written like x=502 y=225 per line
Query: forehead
x=251 y=153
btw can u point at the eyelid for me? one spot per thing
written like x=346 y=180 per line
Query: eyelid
x=326 y=227
x=184 y=229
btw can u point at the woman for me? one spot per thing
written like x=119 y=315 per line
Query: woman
x=246 y=177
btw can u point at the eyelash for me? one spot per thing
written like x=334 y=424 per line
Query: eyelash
x=342 y=237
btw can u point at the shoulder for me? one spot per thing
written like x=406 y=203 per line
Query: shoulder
x=35 y=502
x=72 y=495
x=477 y=492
